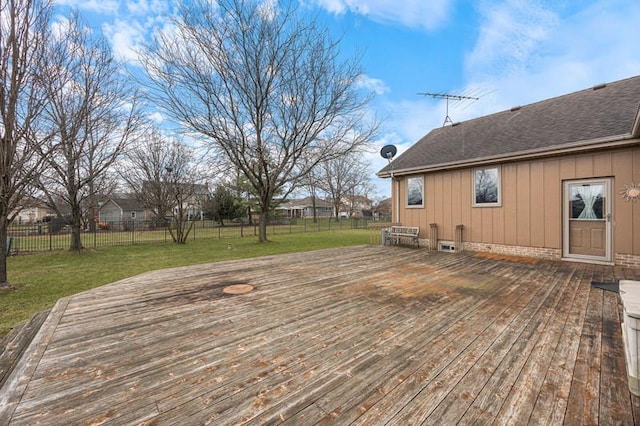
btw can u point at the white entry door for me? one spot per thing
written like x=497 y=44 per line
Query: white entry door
x=587 y=220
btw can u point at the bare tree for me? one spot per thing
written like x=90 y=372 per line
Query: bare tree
x=163 y=174
x=264 y=87
x=341 y=178
x=92 y=111
x=312 y=183
x=23 y=26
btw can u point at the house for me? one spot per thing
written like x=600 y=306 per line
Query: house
x=192 y=198
x=382 y=211
x=356 y=206
x=556 y=179
x=32 y=211
x=303 y=208
x=122 y=209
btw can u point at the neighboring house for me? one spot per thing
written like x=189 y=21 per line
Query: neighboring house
x=119 y=209
x=303 y=208
x=193 y=203
x=356 y=206
x=32 y=211
x=383 y=209
x=557 y=179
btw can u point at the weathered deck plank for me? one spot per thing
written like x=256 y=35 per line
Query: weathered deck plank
x=368 y=335
x=615 y=401
x=486 y=407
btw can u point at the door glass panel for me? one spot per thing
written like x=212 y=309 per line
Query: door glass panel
x=587 y=202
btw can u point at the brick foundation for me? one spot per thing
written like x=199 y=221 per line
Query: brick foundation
x=537 y=252
x=629 y=260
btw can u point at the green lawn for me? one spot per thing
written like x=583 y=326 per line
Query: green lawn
x=40 y=280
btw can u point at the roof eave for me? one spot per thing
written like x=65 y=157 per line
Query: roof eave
x=576 y=147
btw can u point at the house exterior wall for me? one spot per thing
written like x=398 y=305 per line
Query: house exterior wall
x=110 y=212
x=529 y=220
x=33 y=214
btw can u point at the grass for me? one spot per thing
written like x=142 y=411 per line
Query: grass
x=40 y=280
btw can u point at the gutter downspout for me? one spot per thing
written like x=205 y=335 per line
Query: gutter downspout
x=397 y=217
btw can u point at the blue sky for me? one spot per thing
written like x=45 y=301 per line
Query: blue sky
x=507 y=53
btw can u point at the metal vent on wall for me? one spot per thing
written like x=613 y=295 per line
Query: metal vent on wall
x=446 y=246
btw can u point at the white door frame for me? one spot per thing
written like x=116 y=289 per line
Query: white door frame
x=608 y=206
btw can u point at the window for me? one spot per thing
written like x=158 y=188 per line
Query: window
x=587 y=201
x=415 y=191
x=133 y=215
x=486 y=187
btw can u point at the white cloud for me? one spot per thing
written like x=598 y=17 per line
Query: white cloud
x=146 y=7
x=156 y=117
x=125 y=38
x=421 y=14
x=373 y=84
x=98 y=6
x=412 y=119
x=527 y=53
x=510 y=35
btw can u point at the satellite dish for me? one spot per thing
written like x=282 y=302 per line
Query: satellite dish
x=388 y=151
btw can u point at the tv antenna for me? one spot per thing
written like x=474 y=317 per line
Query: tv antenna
x=447 y=97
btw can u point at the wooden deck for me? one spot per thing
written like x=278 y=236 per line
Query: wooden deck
x=366 y=335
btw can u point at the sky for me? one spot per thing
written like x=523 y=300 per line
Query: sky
x=503 y=52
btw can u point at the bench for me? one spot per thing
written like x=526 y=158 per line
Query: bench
x=630 y=298
x=398 y=233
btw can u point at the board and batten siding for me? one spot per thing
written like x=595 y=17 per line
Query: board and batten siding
x=110 y=213
x=531 y=210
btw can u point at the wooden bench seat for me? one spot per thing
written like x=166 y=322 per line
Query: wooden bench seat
x=630 y=298
x=400 y=233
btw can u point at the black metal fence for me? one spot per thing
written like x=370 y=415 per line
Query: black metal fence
x=38 y=237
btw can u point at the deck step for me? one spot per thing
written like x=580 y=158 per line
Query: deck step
x=16 y=342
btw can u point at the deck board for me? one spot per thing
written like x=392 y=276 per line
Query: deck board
x=365 y=335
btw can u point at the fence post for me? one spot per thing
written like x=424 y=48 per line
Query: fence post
x=241 y=230
x=50 y=237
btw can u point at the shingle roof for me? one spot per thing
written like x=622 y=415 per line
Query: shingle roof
x=128 y=204
x=304 y=202
x=603 y=111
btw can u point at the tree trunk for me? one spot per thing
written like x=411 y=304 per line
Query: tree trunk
x=313 y=205
x=3 y=247
x=76 y=238
x=262 y=226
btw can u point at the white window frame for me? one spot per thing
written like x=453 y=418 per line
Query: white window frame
x=497 y=203
x=408 y=183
